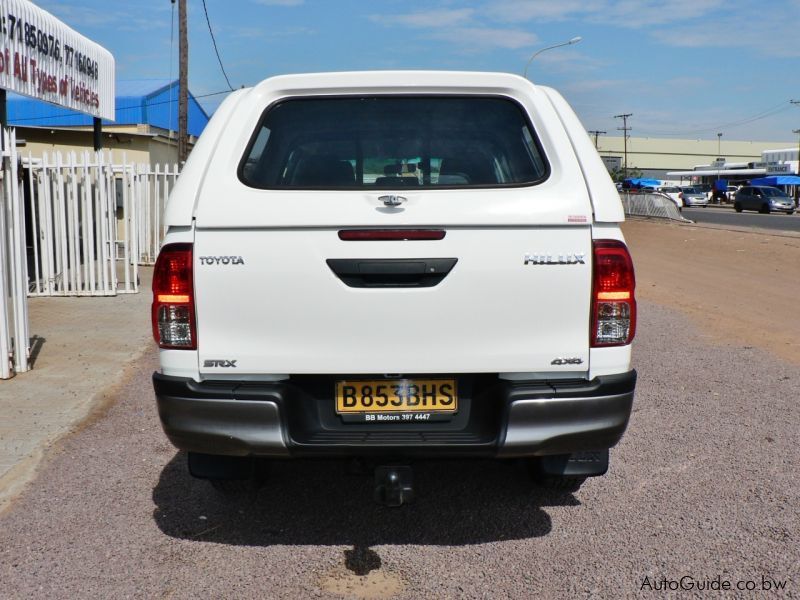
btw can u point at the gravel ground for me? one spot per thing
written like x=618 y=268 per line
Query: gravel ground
x=704 y=484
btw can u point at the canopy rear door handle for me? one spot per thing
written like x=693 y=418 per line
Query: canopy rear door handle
x=391 y=273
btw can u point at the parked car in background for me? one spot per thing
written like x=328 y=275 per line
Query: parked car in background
x=674 y=193
x=693 y=196
x=764 y=199
x=732 y=189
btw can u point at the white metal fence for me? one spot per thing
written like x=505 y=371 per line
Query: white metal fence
x=14 y=334
x=651 y=205
x=151 y=188
x=72 y=225
x=94 y=223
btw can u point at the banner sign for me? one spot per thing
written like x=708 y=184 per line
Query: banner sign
x=775 y=168
x=43 y=58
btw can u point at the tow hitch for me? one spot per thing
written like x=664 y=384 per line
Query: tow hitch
x=394 y=485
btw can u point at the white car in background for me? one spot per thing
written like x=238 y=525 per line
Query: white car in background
x=693 y=196
x=674 y=194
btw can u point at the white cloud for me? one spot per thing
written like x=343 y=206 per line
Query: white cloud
x=267 y=34
x=687 y=83
x=83 y=16
x=483 y=37
x=594 y=85
x=678 y=23
x=647 y=13
x=459 y=26
x=279 y=2
x=622 y=13
x=434 y=19
x=539 y=10
x=772 y=37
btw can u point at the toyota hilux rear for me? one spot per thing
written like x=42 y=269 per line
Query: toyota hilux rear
x=395 y=265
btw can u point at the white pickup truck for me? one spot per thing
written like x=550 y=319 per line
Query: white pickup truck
x=391 y=266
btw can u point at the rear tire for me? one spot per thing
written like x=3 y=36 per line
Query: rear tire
x=234 y=487
x=229 y=474
x=558 y=483
x=542 y=475
x=737 y=207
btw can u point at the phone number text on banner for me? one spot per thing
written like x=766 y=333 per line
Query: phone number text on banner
x=43 y=58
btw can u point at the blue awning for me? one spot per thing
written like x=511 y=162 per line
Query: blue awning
x=777 y=180
x=642 y=182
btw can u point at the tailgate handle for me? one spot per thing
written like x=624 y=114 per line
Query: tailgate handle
x=391 y=273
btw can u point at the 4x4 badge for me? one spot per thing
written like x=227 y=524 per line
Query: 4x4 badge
x=567 y=361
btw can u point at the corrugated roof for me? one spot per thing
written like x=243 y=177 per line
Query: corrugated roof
x=141 y=87
x=138 y=101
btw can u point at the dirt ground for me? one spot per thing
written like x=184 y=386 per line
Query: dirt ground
x=739 y=287
x=702 y=486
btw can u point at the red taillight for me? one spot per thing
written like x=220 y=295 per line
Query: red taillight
x=173 y=298
x=383 y=235
x=613 y=299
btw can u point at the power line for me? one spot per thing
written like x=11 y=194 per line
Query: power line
x=770 y=112
x=214 y=41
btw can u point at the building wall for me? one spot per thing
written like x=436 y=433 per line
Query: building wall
x=41 y=141
x=125 y=144
x=655 y=156
x=163 y=151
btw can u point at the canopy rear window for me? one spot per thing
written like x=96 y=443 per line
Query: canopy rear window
x=393 y=142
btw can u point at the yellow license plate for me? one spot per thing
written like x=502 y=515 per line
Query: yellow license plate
x=396 y=395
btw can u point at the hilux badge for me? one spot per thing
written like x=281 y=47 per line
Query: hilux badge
x=577 y=258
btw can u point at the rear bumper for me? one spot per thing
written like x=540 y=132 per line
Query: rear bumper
x=294 y=418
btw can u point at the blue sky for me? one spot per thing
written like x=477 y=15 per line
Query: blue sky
x=684 y=68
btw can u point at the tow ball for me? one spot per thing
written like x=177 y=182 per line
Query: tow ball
x=394 y=485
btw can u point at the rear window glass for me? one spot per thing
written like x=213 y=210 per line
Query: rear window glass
x=393 y=142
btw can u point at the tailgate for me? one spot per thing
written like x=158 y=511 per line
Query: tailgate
x=282 y=309
x=483 y=158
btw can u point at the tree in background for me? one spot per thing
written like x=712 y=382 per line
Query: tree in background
x=618 y=173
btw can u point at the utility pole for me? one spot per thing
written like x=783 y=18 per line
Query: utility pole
x=183 y=84
x=625 y=129
x=596 y=134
